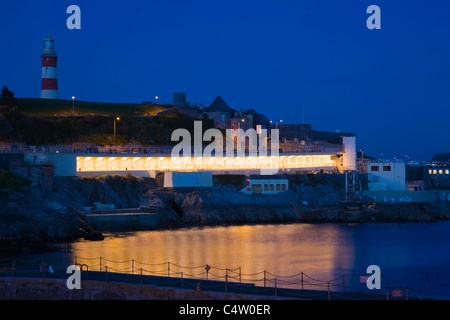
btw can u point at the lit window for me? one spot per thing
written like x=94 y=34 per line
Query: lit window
x=440 y=171
x=430 y=171
x=434 y=171
x=446 y=171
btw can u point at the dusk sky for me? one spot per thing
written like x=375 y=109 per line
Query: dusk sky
x=391 y=87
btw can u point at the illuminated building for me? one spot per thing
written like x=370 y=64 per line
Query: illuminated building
x=72 y=164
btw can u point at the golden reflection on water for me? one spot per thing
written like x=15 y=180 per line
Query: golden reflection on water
x=319 y=251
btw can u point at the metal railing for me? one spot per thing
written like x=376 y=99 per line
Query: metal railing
x=162 y=150
x=298 y=285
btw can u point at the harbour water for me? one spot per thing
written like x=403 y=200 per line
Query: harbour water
x=413 y=257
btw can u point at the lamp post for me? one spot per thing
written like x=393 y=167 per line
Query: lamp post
x=73 y=106
x=276 y=123
x=156 y=103
x=239 y=123
x=115 y=131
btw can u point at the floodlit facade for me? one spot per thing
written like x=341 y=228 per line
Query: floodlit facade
x=73 y=164
x=214 y=164
x=69 y=163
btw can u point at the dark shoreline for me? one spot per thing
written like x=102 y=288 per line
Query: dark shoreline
x=29 y=223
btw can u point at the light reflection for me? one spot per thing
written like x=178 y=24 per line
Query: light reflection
x=320 y=251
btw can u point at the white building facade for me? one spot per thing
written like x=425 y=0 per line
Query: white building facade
x=386 y=175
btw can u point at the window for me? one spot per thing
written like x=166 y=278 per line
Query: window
x=446 y=171
x=430 y=171
x=374 y=168
x=441 y=172
x=283 y=187
x=278 y=187
x=271 y=187
x=222 y=117
x=387 y=168
x=256 y=188
x=434 y=171
x=266 y=187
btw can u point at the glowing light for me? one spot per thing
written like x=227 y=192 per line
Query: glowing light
x=203 y=163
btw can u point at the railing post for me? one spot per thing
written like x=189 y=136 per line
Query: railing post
x=328 y=285
x=343 y=283
x=168 y=269
x=302 y=280
x=275 y=286
x=100 y=263
x=181 y=279
x=106 y=273
x=226 y=283
x=240 y=279
x=132 y=266
x=43 y=267
x=141 y=275
x=264 y=278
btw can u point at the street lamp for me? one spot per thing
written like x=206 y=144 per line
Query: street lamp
x=73 y=106
x=276 y=123
x=115 y=131
x=156 y=103
x=239 y=123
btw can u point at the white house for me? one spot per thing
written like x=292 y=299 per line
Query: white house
x=386 y=175
x=265 y=186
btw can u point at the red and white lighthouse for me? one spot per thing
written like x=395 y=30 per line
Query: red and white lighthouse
x=49 y=89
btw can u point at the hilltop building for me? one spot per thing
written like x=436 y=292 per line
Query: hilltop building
x=220 y=112
x=179 y=99
x=227 y=118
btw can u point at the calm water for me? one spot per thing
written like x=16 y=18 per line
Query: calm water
x=415 y=255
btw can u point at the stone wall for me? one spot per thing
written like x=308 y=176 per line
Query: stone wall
x=56 y=289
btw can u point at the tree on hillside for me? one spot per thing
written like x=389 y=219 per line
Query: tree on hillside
x=7 y=98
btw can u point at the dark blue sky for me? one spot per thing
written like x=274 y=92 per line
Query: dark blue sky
x=389 y=86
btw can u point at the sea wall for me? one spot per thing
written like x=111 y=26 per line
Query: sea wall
x=56 y=289
x=393 y=197
x=301 y=204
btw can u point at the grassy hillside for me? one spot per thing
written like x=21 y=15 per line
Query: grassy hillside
x=49 y=107
x=16 y=125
